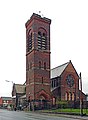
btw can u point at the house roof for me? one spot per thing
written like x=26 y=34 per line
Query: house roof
x=57 y=71
x=6 y=98
x=20 y=88
x=22 y=97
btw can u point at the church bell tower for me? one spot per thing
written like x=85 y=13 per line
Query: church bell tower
x=38 y=58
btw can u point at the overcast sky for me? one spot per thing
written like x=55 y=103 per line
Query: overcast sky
x=69 y=37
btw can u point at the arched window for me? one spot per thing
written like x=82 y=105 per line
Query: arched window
x=54 y=101
x=42 y=80
x=66 y=96
x=39 y=64
x=45 y=65
x=42 y=39
x=70 y=96
x=73 y=96
x=39 y=40
x=29 y=42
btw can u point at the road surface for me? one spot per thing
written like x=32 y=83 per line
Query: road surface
x=20 y=115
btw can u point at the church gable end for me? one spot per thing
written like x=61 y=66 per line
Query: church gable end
x=69 y=83
x=70 y=70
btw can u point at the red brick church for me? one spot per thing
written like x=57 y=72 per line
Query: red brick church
x=45 y=86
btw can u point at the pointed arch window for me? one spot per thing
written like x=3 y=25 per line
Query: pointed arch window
x=42 y=80
x=39 y=64
x=69 y=95
x=54 y=101
x=73 y=96
x=66 y=96
x=45 y=65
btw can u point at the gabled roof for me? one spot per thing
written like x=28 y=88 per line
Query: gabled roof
x=20 y=88
x=57 y=71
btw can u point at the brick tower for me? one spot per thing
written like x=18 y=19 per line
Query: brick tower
x=38 y=59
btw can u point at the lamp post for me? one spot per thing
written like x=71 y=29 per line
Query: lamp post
x=81 y=97
x=12 y=88
x=10 y=82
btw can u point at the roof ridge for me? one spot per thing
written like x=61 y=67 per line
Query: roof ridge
x=20 y=84
x=60 y=65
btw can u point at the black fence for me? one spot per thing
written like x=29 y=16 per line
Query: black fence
x=45 y=105
x=70 y=104
x=40 y=105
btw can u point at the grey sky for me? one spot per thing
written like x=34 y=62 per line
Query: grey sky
x=69 y=36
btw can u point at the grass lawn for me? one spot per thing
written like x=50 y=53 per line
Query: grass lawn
x=68 y=110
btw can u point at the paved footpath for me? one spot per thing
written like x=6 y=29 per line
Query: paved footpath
x=66 y=116
x=76 y=117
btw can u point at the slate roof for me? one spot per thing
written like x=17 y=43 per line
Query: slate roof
x=6 y=98
x=24 y=96
x=57 y=71
x=20 y=88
